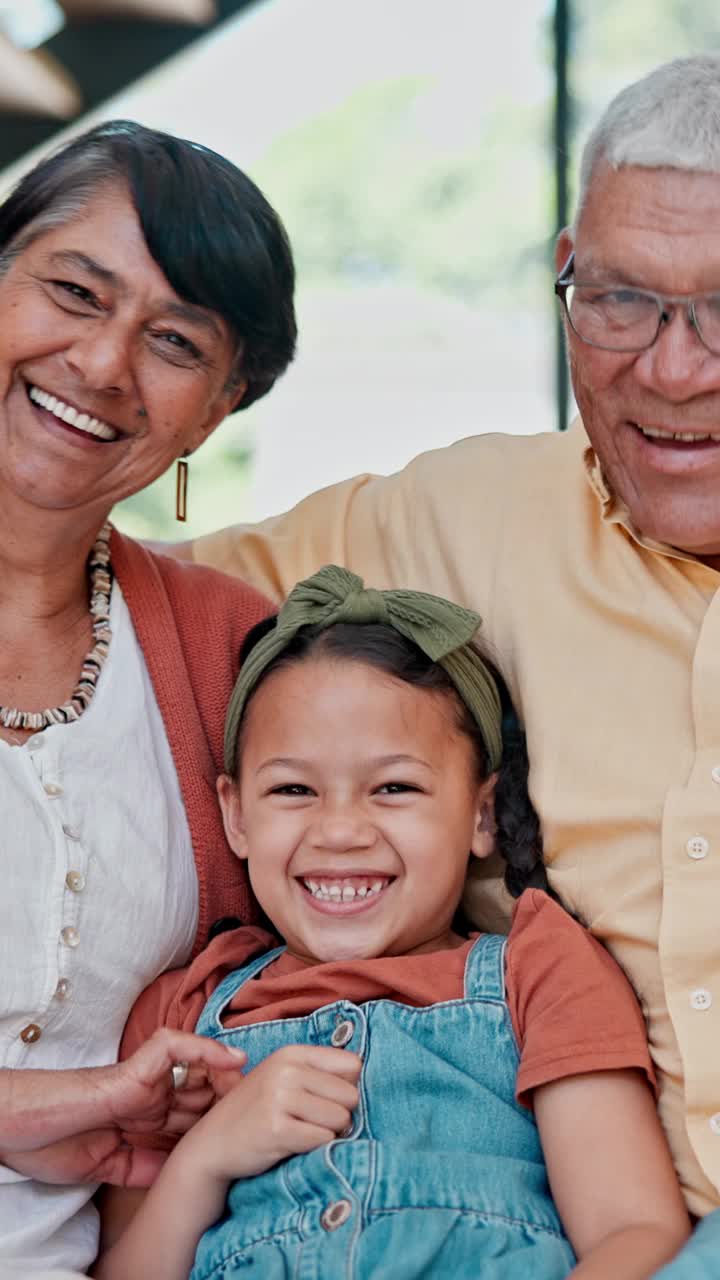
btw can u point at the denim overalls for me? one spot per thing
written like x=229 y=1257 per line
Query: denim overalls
x=442 y=1173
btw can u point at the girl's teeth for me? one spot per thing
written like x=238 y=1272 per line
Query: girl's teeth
x=338 y=892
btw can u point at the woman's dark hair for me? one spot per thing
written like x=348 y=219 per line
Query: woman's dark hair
x=518 y=837
x=211 y=231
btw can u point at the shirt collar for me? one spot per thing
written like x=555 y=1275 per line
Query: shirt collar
x=613 y=509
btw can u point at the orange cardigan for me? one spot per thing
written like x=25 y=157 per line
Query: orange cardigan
x=190 y=622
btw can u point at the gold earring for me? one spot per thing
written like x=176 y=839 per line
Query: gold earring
x=181 y=487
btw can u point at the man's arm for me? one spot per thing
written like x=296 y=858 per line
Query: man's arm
x=358 y=524
x=435 y=526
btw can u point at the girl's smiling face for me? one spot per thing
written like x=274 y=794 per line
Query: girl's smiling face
x=358 y=803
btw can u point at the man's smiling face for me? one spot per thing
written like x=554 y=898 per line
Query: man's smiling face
x=654 y=229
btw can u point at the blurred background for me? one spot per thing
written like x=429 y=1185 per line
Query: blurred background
x=422 y=154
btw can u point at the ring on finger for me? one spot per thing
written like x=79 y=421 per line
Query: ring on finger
x=179 y=1072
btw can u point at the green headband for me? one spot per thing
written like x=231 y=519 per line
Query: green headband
x=442 y=631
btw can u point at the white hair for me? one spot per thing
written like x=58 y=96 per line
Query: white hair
x=668 y=119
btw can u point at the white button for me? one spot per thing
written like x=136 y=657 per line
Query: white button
x=52 y=788
x=697 y=847
x=342 y=1034
x=72 y=833
x=714 y=1123
x=701 y=999
x=75 y=881
x=63 y=989
x=35 y=743
x=335 y=1214
x=70 y=936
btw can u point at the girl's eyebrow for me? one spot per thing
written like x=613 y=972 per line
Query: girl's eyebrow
x=298 y=762
x=283 y=762
x=400 y=758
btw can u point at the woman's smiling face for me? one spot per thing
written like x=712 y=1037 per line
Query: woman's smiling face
x=357 y=807
x=106 y=375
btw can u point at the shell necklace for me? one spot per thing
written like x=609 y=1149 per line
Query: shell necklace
x=101 y=578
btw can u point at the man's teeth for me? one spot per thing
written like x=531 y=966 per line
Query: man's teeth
x=342 y=890
x=685 y=437
x=66 y=413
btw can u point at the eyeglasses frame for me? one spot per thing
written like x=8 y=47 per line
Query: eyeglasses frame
x=666 y=305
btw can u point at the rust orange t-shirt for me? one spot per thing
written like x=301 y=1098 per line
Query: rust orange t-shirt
x=572 y=1009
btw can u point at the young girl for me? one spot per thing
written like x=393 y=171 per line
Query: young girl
x=410 y=1092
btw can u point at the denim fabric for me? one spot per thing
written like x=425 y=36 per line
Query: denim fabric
x=700 y=1259
x=442 y=1173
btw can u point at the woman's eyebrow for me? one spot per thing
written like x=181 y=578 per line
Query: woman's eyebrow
x=74 y=258
x=195 y=315
x=181 y=310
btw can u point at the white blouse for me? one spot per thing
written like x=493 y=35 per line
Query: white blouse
x=99 y=896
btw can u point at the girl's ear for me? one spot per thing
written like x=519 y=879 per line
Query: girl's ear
x=229 y=797
x=483 y=841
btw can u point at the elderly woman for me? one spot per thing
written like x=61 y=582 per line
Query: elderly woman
x=145 y=292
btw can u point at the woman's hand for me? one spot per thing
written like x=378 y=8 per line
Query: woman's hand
x=67 y=1126
x=297 y=1099
x=101 y=1155
x=141 y=1094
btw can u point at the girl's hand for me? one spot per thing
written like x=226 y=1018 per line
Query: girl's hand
x=299 y=1098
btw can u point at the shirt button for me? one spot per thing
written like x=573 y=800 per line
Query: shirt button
x=35 y=743
x=63 y=989
x=335 y=1214
x=75 y=881
x=341 y=1036
x=52 y=789
x=697 y=847
x=70 y=936
x=30 y=1033
x=72 y=833
x=701 y=999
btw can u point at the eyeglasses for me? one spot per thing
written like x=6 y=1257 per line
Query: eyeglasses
x=616 y=317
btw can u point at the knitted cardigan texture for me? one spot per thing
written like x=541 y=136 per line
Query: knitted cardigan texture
x=190 y=623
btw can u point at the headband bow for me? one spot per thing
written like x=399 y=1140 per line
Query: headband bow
x=440 y=629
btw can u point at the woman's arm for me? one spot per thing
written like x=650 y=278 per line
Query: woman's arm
x=67 y=1126
x=611 y=1174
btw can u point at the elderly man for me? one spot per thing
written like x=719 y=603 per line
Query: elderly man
x=593 y=558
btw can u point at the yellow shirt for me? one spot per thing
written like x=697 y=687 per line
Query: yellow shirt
x=610 y=645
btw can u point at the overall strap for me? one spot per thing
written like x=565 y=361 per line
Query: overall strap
x=485 y=968
x=210 y=1020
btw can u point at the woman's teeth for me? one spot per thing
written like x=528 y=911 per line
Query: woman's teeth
x=343 y=890
x=66 y=413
